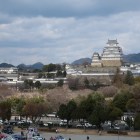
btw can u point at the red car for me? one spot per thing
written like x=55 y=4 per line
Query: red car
x=2 y=135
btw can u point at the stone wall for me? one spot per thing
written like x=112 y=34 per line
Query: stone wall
x=96 y=64
x=111 y=63
x=91 y=69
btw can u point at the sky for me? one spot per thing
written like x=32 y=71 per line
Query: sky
x=57 y=31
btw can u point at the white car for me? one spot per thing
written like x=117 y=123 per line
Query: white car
x=37 y=138
x=88 y=125
x=59 y=138
x=8 y=138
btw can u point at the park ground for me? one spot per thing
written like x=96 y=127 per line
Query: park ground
x=88 y=132
x=93 y=132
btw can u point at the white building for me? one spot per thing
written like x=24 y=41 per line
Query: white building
x=11 y=70
x=96 y=60
x=112 y=56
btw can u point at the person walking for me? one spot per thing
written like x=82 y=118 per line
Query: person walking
x=22 y=134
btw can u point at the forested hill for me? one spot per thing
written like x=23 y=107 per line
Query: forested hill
x=5 y=65
x=81 y=61
x=132 y=58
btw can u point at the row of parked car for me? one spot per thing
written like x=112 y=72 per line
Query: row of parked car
x=32 y=134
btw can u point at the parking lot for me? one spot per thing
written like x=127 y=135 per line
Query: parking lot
x=91 y=137
x=79 y=136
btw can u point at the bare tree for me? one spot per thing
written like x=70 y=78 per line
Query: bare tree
x=55 y=97
x=108 y=91
x=5 y=91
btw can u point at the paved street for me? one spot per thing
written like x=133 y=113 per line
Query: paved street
x=91 y=137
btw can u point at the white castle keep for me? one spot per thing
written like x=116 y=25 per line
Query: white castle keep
x=112 y=56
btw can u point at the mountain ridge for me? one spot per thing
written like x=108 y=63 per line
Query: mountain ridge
x=6 y=65
x=37 y=65
x=130 y=58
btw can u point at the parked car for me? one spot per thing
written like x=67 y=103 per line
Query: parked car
x=37 y=138
x=1 y=121
x=32 y=132
x=62 y=123
x=60 y=138
x=88 y=125
x=23 y=125
x=18 y=137
x=7 y=129
x=79 y=125
x=2 y=135
x=8 y=138
x=12 y=122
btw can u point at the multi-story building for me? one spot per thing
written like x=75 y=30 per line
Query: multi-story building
x=96 y=60
x=112 y=56
x=11 y=70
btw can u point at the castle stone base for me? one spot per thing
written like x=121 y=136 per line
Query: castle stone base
x=111 y=63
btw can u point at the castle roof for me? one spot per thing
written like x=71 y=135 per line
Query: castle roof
x=112 y=42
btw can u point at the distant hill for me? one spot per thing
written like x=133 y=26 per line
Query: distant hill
x=5 y=65
x=81 y=61
x=37 y=65
x=132 y=58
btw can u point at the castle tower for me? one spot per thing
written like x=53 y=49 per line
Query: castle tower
x=96 y=61
x=112 y=54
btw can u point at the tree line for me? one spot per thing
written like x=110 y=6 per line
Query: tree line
x=94 y=108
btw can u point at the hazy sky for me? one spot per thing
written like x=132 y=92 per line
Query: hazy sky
x=57 y=31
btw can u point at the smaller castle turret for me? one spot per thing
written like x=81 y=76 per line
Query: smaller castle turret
x=96 y=60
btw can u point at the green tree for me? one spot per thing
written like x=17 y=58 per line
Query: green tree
x=120 y=100
x=98 y=109
x=131 y=105
x=129 y=78
x=28 y=84
x=80 y=112
x=37 y=84
x=64 y=73
x=49 y=68
x=50 y=75
x=118 y=79
x=17 y=105
x=129 y=122
x=98 y=115
x=58 y=67
x=60 y=83
x=67 y=111
x=86 y=81
x=113 y=113
x=35 y=108
x=71 y=107
x=20 y=106
x=59 y=73
x=5 y=110
x=62 y=111
x=41 y=75
x=136 y=92
x=137 y=122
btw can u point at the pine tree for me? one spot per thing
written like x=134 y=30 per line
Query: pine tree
x=129 y=79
